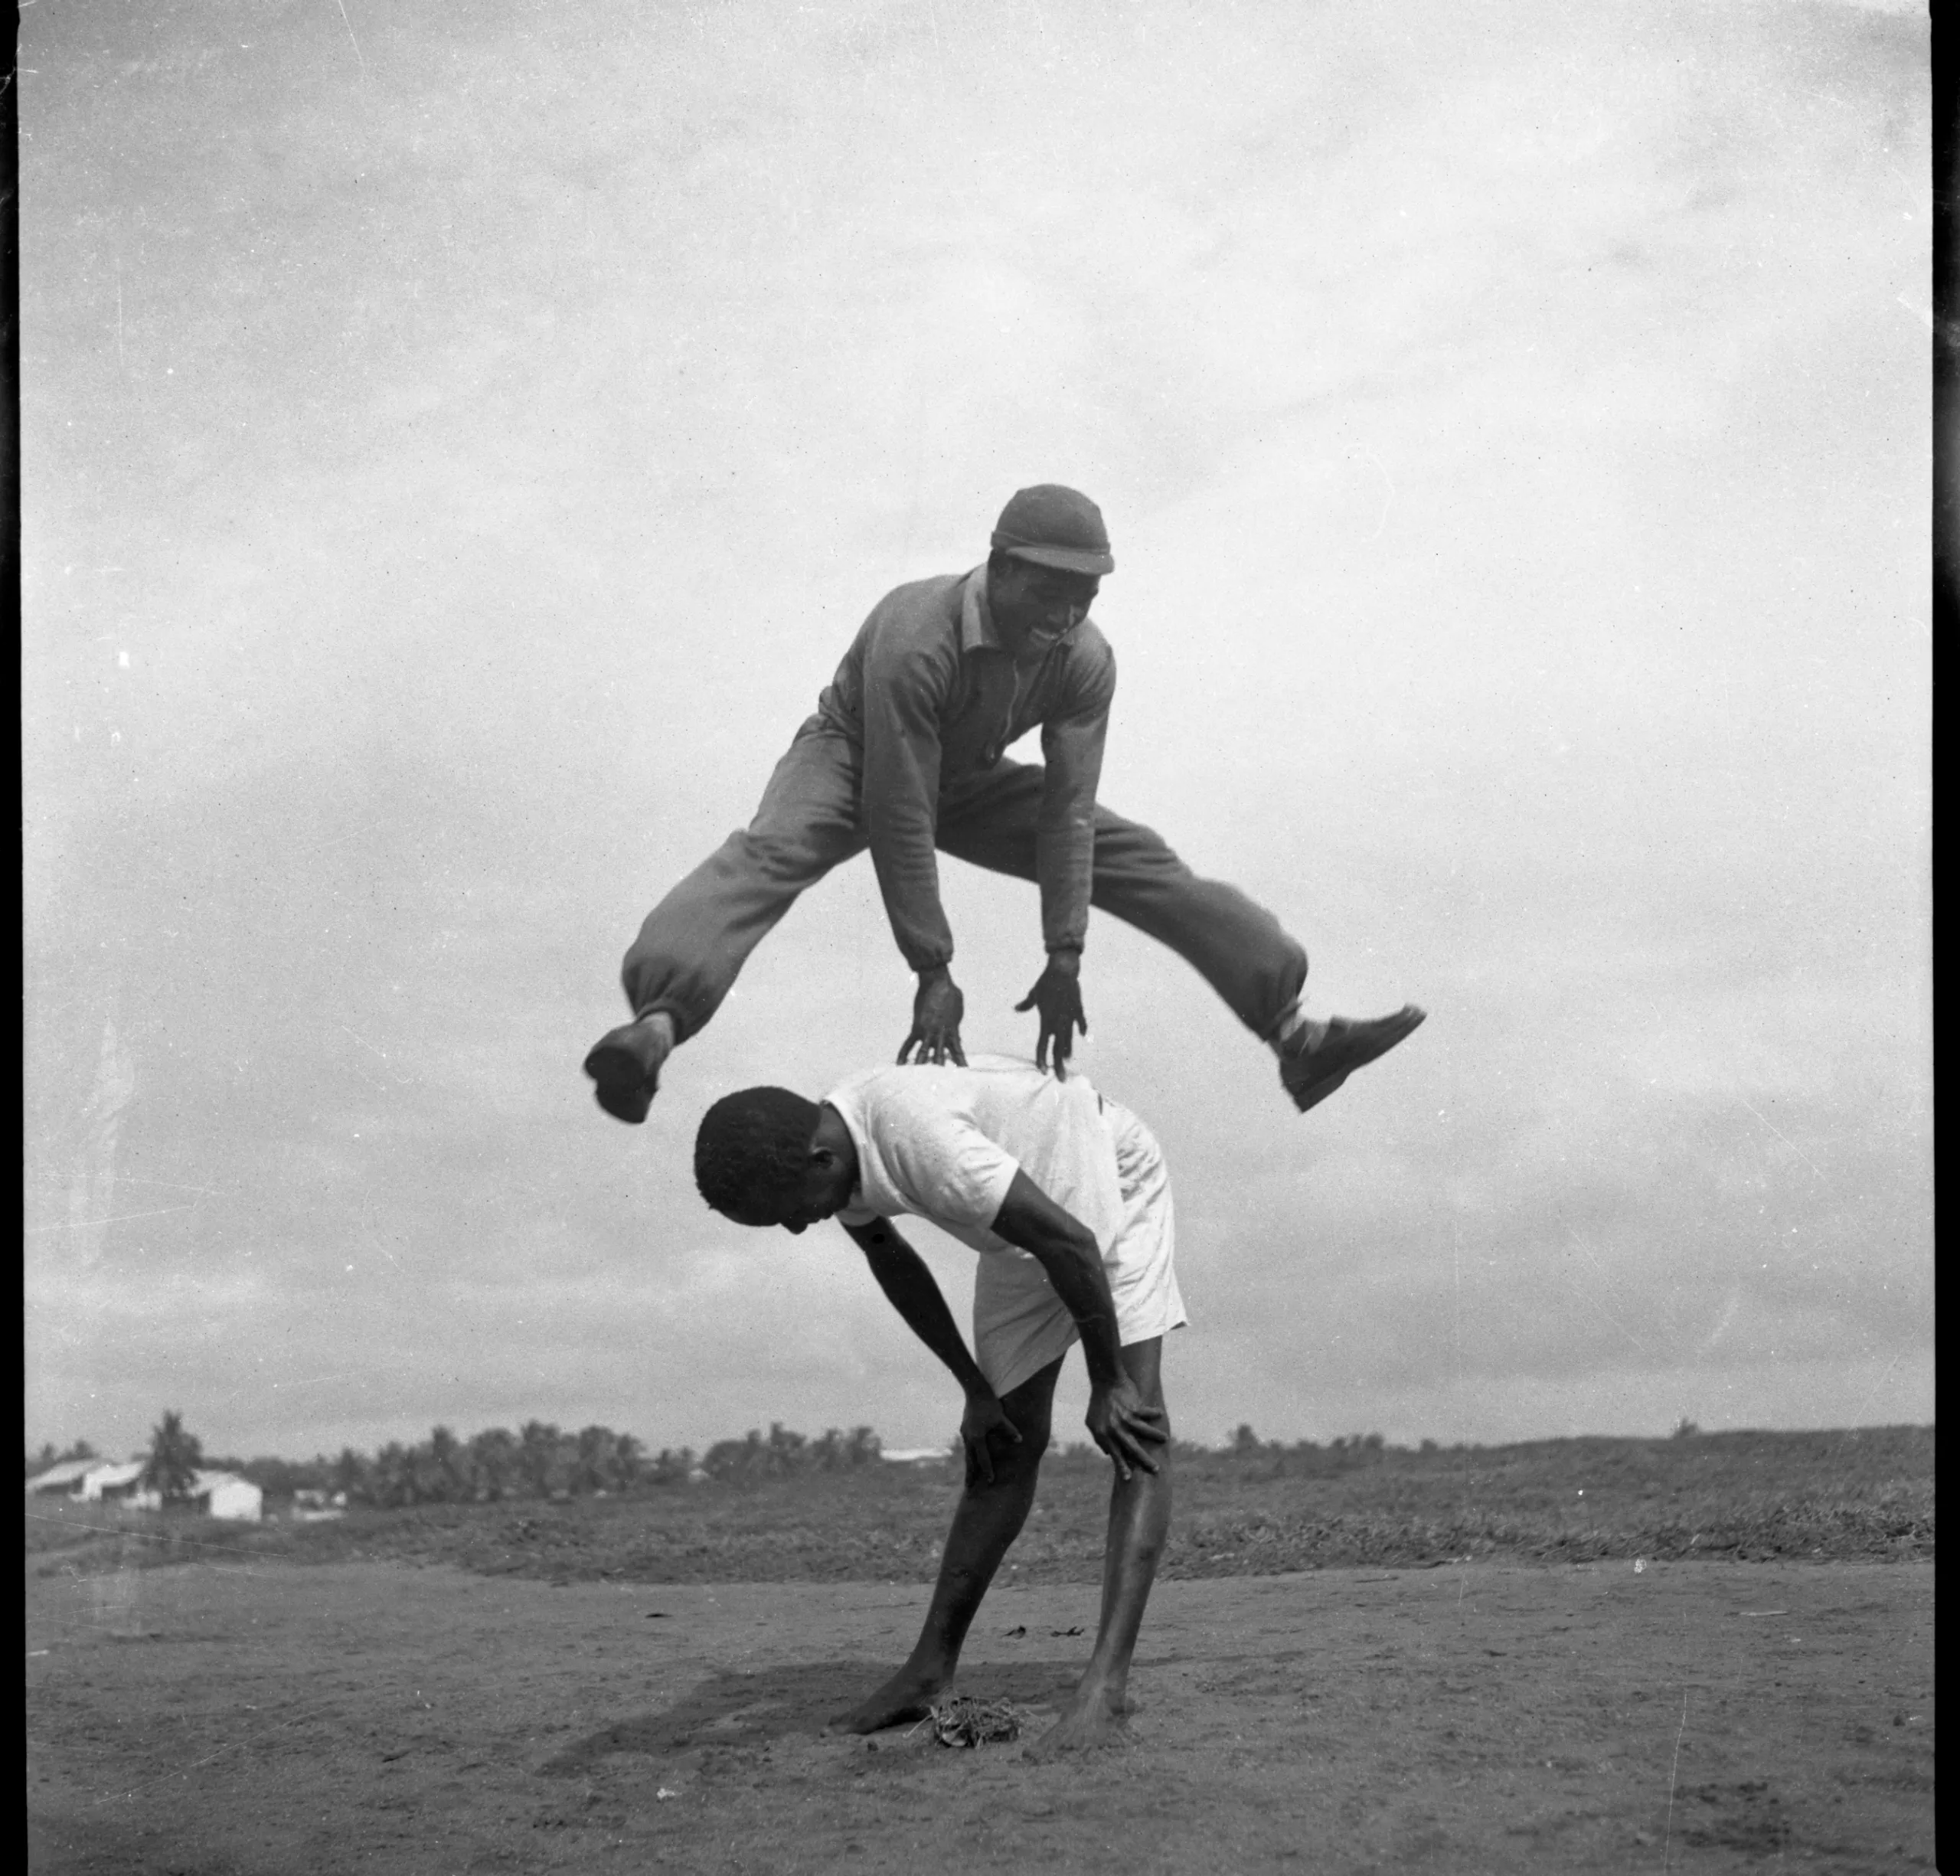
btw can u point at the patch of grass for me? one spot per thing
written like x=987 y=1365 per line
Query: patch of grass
x=1865 y=1495
x=87 y=1539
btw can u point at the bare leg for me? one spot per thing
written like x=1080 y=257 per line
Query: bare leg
x=987 y=1520
x=1139 y=1517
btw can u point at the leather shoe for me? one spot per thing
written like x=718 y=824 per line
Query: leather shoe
x=624 y=1063
x=1350 y=1043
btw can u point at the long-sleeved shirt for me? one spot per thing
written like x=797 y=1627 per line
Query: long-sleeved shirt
x=931 y=696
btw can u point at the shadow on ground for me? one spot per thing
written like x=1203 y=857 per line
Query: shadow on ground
x=732 y=1708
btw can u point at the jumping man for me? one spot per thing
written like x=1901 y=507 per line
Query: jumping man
x=904 y=755
x=1065 y=1195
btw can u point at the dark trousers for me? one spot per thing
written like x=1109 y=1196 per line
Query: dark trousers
x=695 y=943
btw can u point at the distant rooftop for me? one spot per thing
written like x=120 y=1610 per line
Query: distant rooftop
x=67 y=1472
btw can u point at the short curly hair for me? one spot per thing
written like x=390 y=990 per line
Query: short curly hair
x=751 y=1150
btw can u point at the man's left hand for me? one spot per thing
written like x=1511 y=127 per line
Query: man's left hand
x=1058 y=994
x=1125 y=1426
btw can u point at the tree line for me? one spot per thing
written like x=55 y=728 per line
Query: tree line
x=539 y=1460
x=542 y=1460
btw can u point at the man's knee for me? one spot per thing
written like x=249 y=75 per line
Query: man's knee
x=1025 y=1453
x=1126 y=848
x=789 y=857
x=1016 y=1464
x=1030 y=1410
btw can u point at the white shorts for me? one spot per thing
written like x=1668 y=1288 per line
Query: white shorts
x=1020 y=1324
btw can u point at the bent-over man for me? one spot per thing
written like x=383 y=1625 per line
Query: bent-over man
x=904 y=755
x=1065 y=1195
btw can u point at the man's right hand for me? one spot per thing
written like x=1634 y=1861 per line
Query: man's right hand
x=984 y=1418
x=1125 y=1425
x=936 y=1011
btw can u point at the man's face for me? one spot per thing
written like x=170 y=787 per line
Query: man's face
x=824 y=1191
x=1033 y=607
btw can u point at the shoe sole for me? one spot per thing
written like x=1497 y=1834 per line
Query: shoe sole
x=1322 y=1089
x=1316 y=1091
x=630 y=1105
x=623 y=1089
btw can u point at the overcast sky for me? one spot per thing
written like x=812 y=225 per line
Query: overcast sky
x=460 y=442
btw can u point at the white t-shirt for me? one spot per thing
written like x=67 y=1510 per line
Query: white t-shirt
x=943 y=1143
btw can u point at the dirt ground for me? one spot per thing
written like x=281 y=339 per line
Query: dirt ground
x=262 y=1719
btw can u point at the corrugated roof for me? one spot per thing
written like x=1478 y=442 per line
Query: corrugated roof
x=118 y=1473
x=63 y=1473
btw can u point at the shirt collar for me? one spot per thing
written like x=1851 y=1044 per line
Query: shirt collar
x=976 y=617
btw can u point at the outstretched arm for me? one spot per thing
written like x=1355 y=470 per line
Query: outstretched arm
x=1072 y=743
x=905 y=683
x=1058 y=994
x=1120 y=1420
x=908 y=1286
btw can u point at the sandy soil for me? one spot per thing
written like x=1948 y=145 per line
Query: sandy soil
x=264 y=1719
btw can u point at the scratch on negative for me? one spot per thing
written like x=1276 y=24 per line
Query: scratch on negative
x=1673 y=1772
x=177 y=1186
x=1876 y=1386
x=130 y=1178
x=138 y=1791
x=120 y=1218
x=1784 y=1137
x=355 y=43
x=1578 y=1245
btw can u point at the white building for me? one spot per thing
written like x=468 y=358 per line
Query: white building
x=311 y=1503
x=225 y=1494
x=64 y=1479
x=217 y=1495
x=112 y=1478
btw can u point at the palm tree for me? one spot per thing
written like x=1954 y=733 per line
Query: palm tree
x=629 y=1457
x=838 y=1450
x=545 y=1458
x=669 y=1468
x=493 y=1461
x=864 y=1447
x=440 y=1468
x=170 y=1471
x=349 y=1475
x=592 y=1470
x=392 y=1477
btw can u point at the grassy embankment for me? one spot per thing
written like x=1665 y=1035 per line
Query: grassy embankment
x=1864 y=1495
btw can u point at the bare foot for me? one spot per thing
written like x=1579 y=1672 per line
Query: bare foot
x=906 y=1696
x=1087 y=1721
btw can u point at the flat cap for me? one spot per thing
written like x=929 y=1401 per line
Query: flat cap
x=1054 y=527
